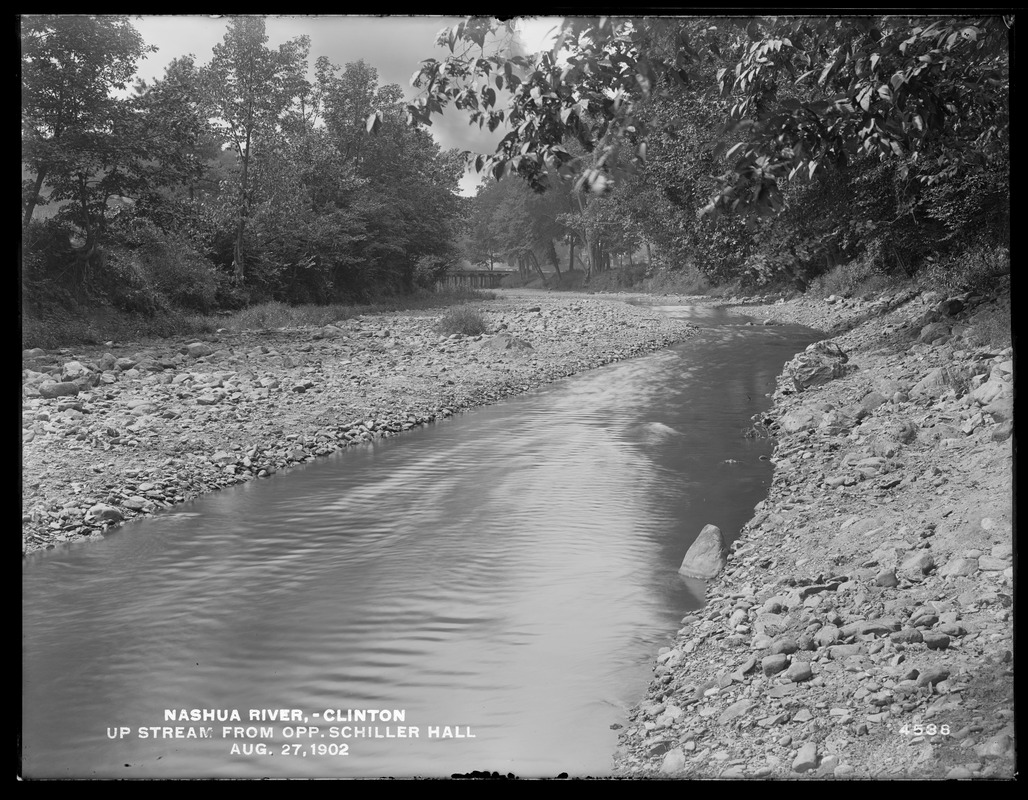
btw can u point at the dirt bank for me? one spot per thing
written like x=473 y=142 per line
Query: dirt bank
x=862 y=627
x=125 y=430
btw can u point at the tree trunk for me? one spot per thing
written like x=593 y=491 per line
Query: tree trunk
x=552 y=252
x=239 y=266
x=34 y=199
x=539 y=269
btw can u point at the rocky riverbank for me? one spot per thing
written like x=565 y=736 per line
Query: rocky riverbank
x=122 y=431
x=862 y=626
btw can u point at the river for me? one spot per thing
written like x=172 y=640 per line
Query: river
x=488 y=592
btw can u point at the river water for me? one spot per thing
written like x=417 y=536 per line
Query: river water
x=494 y=588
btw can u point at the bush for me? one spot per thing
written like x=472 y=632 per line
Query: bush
x=462 y=320
x=979 y=269
x=173 y=272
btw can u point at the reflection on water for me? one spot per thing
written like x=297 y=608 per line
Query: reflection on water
x=504 y=578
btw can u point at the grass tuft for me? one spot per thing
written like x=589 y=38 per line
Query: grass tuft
x=462 y=320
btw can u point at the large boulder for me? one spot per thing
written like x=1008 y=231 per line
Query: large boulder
x=62 y=389
x=820 y=363
x=707 y=556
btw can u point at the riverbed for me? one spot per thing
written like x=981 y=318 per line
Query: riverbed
x=483 y=594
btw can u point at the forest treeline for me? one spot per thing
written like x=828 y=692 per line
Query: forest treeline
x=750 y=152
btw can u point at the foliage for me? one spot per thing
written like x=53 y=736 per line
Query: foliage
x=73 y=130
x=804 y=92
x=249 y=88
x=462 y=320
x=170 y=266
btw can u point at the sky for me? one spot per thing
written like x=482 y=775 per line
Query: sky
x=394 y=45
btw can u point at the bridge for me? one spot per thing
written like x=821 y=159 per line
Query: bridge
x=474 y=278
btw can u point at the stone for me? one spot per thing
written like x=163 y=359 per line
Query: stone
x=959 y=567
x=806 y=758
x=932 y=676
x=770 y=625
x=933 y=385
x=706 y=556
x=934 y=332
x=907 y=636
x=921 y=562
x=999 y=746
x=503 y=341
x=735 y=711
x=62 y=389
x=887 y=578
x=73 y=370
x=786 y=645
x=105 y=513
x=799 y=671
x=936 y=641
x=841 y=651
x=197 y=349
x=829 y=634
x=801 y=419
x=674 y=761
x=772 y=665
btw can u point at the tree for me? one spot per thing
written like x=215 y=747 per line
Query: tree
x=803 y=91
x=251 y=87
x=70 y=67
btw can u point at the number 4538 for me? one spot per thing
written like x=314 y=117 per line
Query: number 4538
x=921 y=730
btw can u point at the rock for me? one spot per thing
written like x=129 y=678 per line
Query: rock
x=932 y=675
x=950 y=307
x=706 y=556
x=197 y=350
x=105 y=513
x=770 y=625
x=992 y=564
x=74 y=370
x=936 y=641
x=887 y=578
x=920 y=562
x=806 y=758
x=933 y=385
x=999 y=746
x=872 y=400
x=959 y=566
x=827 y=635
x=503 y=341
x=801 y=419
x=786 y=645
x=907 y=636
x=772 y=665
x=818 y=365
x=934 y=332
x=1003 y=431
x=841 y=651
x=799 y=671
x=63 y=389
x=738 y=709
x=328 y=332
x=674 y=761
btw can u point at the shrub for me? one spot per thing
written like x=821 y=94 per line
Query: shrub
x=978 y=268
x=462 y=320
